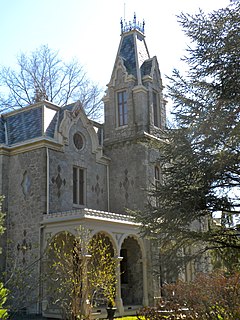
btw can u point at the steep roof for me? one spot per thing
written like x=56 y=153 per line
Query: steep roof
x=35 y=121
x=28 y=123
x=133 y=49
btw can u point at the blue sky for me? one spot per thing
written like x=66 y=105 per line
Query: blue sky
x=89 y=30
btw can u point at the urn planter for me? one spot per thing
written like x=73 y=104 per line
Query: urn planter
x=111 y=313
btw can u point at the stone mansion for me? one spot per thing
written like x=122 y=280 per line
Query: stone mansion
x=58 y=169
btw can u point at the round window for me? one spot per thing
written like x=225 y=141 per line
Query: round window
x=78 y=141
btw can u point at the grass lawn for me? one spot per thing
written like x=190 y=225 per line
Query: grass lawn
x=127 y=318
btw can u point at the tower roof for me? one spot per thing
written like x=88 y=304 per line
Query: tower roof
x=133 y=49
x=134 y=25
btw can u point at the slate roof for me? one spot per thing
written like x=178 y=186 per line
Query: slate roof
x=127 y=52
x=25 y=124
x=146 y=67
x=133 y=51
x=28 y=123
x=2 y=131
x=68 y=107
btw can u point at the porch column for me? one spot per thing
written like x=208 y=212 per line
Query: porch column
x=145 y=284
x=118 y=299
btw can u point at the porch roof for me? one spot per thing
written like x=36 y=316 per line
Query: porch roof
x=89 y=214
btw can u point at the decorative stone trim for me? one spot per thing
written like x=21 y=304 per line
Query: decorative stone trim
x=88 y=214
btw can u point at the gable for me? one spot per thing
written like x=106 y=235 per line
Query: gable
x=75 y=116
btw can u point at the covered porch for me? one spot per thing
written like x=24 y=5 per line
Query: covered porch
x=128 y=247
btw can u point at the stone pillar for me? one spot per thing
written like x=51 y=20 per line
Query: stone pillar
x=118 y=299
x=145 y=284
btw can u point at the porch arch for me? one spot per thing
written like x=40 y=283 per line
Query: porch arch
x=131 y=268
x=60 y=244
x=109 y=236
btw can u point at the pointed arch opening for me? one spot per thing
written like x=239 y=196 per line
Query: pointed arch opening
x=131 y=269
x=79 y=268
x=102 y=251
x=59 y=263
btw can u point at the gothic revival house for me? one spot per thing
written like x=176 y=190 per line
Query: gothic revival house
x=58 y=169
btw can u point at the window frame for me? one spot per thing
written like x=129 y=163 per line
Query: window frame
x=157 y=183
x=122 y=108
x=156 y=110
x=77 y=135
x=157 y=177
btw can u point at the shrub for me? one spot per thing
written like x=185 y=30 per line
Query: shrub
x=209 y=296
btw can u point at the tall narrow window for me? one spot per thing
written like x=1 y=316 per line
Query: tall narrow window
x=157 y=182
x=122 y=108
x=155 y=110
x=157 y=177
x=78 y=185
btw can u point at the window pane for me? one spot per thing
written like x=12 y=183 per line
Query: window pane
x=157 y=173
x=122 y=108
x=124 y=96
x=75 y=185
x=78 y=185
x=120 y=97
x=155 y=113
x=81 y=186
x=125 y=114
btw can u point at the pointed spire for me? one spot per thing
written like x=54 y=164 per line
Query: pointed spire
x=132 y=25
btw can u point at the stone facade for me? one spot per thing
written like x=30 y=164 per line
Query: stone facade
x=60 y=169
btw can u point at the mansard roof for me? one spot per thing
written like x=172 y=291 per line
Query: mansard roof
x=28 y=123
x=133 y=51
x=36 y=121
x=146 y=67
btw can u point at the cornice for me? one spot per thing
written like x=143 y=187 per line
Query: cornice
x=140 y=137
x=139 y=88
x=89 y=214
x=30 y=145
x=32 y=106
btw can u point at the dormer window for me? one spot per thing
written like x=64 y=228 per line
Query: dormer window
x=122 y=111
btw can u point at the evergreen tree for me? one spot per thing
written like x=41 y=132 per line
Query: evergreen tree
x=200 y=159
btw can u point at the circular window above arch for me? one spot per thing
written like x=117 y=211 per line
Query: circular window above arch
x=78 y=140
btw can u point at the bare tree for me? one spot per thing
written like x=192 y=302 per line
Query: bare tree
x=80 y=268
x=42 y=75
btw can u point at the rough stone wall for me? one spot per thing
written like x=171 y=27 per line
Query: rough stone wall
x=61 y=174
x=27 y=194
x=111 y=129
x=26 y=205
x=4 y=163
x=131 y=174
